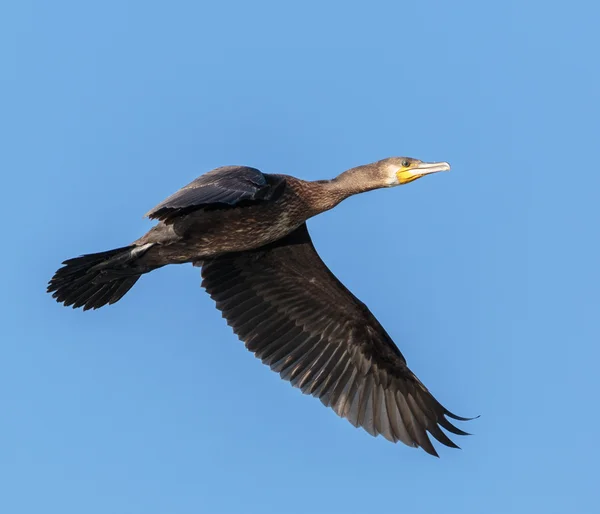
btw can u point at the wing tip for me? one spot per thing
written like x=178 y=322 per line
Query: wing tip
x=460 y=418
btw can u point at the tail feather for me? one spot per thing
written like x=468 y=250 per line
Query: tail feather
x=97 y=279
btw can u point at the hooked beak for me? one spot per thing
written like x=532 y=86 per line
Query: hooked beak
x=420 y=169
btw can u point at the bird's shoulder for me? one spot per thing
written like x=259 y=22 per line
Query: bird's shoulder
x=223 y=187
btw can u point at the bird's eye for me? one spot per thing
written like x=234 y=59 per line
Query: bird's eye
x=405 y=163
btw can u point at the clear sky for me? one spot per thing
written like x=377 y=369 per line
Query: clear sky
x=486 y=277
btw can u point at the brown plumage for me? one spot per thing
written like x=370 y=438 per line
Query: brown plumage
x=247 y=231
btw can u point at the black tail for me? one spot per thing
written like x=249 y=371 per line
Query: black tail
x=93 y=280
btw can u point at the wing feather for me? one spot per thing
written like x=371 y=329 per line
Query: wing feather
x=294 y=314
x=226 y=186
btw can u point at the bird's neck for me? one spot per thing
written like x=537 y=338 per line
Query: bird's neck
x=329 y=193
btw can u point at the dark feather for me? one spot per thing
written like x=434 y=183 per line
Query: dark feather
x=227 y=186
x=86 y=282
x=296 y=316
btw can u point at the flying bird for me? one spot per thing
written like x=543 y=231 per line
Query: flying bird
x=247 y=231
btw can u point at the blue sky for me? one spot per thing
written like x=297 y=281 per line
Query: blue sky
x=486 y=277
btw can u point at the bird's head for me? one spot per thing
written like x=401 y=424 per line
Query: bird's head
x=393 y=171
x=397 y=171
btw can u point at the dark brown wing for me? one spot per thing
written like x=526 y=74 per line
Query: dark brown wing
x=300 y=320
x=221 y=187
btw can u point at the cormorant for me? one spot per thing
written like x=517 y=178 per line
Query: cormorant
x=247 y=231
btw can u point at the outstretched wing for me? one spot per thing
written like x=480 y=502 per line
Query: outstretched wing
x=221 y=187
x=299 y=319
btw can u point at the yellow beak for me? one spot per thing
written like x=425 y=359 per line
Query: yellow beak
x=420 y=169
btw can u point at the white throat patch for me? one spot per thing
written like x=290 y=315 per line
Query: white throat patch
x=392 y=178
